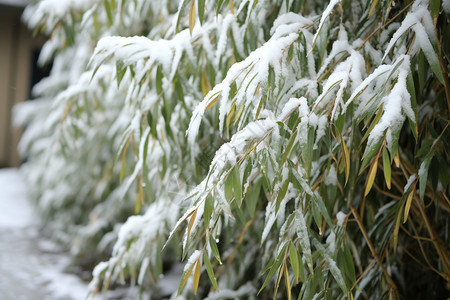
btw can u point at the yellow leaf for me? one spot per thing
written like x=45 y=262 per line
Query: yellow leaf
x=210 y=104
x=347 y=160
x=258 y=89
x=191 y=222
x=236 y=118
x=397 y=161
x=205 y=84
x=408 y=204
x=187 y=276
x=396 y=228
x=258 y=110
x=277 y=284
x=232 y=7
x=196 y=276
x=192 y=16
x=371 y=176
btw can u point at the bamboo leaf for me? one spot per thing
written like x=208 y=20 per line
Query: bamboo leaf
x=228 y=189
x=251 y=198
x=237 y=186
x=196 y=276
x=396 y=229
x=159 y=77
x=218 y=6
x=184 y=278
x=231 y=6
x=182 y=6
x=303 y=238
x=435 y=6
x=408 y=203
x=274 y=268
x=371 y=176
x=192 y=16
x=191 y=222
x=209 y=270
x=387 y=168
x=201 y=10
x=287 y=282
x=281 y=194
x=108 y=11
x=214 y=249
x=347 y=159
x=206 y=87
x=332 y=266
x=289 y=147
x=209 y=207
x=211 y=104
x=430 y=54
x=323 y=209
x=294 y=260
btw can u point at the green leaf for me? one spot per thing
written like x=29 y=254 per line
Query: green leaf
x=237 y=186
x=218 y=6
x=159 y=76
x=209 y=207
x=214 y=249
x=289 y=147
x=435 y=6
x=294 y=260
x=209 y=270
x=251 y=197
x=332 y=266
x=201 y=10
x=274 y=268
x=323 y=209
x=370 y=154
x=431 y=56
x=120 y=71
x=229 y=186
x=281 y=194
x=412 y=92
x=303 y=239
x=184 y=278
x=147 y=139
x=180 y=11
x=108 y=12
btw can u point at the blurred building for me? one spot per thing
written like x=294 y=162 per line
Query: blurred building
x=18 y=72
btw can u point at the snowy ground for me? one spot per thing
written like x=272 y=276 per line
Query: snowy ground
x=31 y=267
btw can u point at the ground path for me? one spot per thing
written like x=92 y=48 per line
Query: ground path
x=31 y=267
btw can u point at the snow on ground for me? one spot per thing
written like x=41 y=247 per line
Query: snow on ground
x=31 y=267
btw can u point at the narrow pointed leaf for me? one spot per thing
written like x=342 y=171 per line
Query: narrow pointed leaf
x=196 y=276
x=387 y=168
x=192 y=16
x=209 y=270
x=294 y=260
x=371 y=176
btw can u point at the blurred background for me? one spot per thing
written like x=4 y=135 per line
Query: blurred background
x=19 y=71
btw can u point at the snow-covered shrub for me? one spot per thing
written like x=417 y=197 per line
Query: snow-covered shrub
x=282 y=148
